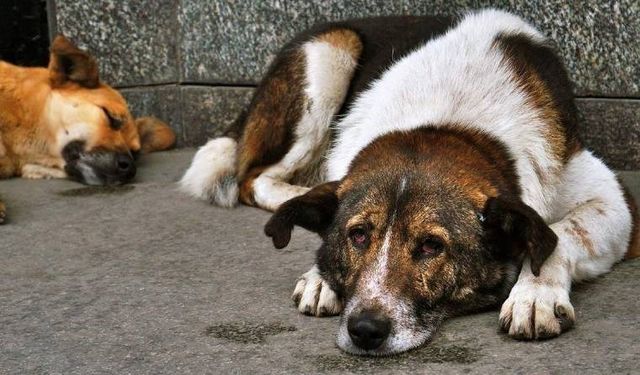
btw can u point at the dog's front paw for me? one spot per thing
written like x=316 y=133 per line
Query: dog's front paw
x=536 y=311
x=3 y=213
x=313 y=296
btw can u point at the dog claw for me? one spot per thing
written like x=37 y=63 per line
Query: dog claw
x=564 y=317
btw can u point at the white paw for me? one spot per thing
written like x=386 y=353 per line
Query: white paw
x=34 y=172
x=313 y=296
x=536 y=311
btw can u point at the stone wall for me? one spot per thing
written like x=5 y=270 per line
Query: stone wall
x=195 y=63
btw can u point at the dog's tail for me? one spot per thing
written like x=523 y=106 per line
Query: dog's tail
x=215 y=171
x=212 y=174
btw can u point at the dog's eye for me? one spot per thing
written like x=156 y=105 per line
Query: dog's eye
x=114 y=122
x=359 y=237
x=429 y=248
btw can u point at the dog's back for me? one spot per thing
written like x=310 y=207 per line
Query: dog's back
x=492 y=73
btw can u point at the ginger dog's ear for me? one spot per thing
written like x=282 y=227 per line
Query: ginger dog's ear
x=69 y=63
x=155 y=134
x=313 y=211
x=517 y=229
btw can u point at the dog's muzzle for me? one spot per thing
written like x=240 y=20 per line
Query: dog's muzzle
x=98 y=167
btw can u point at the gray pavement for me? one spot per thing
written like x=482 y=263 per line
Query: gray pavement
x=143 y=280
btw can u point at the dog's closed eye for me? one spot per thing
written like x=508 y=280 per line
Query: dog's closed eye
x=115 y=122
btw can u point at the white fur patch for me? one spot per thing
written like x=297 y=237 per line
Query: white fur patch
x=35 y=171
x=89 y=175
x=591 y=198
x=75 y=132
x=211 y=175
x=270 y=192
x=462 y=79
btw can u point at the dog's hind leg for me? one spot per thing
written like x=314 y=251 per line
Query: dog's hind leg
x=328 y=61
x=286 y=129
x=595 y=228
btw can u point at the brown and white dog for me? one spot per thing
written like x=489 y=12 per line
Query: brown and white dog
x=63 y=121
x=455 y=180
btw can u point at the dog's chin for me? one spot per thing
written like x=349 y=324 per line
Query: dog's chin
x=88 y=175
x=399 y=342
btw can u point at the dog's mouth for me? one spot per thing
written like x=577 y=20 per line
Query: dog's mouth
x=98 y=167
x=381 y=332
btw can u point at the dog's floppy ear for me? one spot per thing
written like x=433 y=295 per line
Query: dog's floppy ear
x=313 y=211
x=69 y=63
x=155 y=134
x=517 y=229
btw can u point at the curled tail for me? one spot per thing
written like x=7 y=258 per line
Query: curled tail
x=212 y=174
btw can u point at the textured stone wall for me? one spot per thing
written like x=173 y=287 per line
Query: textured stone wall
x=194 y=63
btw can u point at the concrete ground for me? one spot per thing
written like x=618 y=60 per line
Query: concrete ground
x=144 y=280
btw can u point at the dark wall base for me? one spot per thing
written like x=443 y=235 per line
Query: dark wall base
x=24 y=32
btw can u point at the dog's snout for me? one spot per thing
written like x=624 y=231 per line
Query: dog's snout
x=369 y=329
x=125 y=165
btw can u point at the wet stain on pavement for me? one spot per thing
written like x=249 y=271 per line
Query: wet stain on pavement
x=429 y=354
x=96 y=190
x=246 y=332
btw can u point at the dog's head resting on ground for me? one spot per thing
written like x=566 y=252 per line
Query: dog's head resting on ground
x=98 y=138
x=74 y=121
x=411 y=237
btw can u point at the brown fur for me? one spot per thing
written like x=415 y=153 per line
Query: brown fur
x=474 y=165
x=245 y=194
x=275 y=109
x=344 y=39
x=44 y=109
x=155 y=134
x=28 y=130
x=633 y=250
x=3 y=213
x=68 y=63
x=471 y=160
x=548 y=91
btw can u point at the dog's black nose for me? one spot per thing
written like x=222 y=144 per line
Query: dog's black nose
x=369 y=329
x=126 y=166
